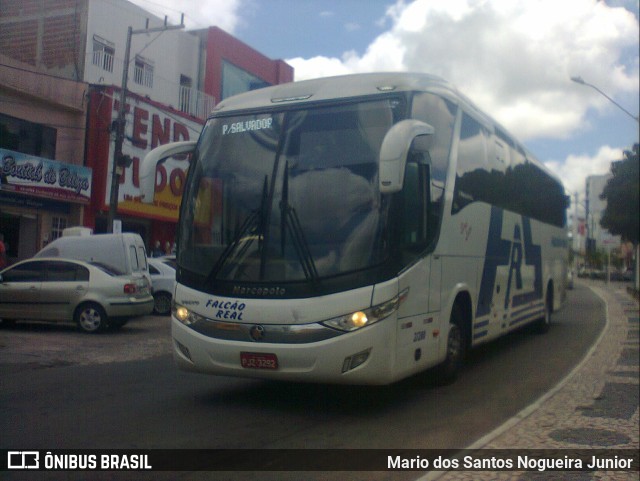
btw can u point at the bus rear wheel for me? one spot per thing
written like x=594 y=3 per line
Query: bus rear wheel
x=544 y=323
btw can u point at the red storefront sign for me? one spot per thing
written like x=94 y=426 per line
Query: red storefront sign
x=148 y=124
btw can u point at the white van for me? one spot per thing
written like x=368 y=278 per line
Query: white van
x=123 y=253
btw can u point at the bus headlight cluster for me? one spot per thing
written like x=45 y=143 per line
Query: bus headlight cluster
x=184 y=315
x=359 y=319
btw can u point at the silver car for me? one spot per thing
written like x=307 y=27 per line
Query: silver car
x=163 y=280
x=94 y=296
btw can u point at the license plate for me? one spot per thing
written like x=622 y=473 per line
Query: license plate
x=254 y=360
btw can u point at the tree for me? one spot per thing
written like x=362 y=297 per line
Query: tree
x=621 y=193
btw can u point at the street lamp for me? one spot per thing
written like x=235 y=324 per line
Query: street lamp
x=580 y=80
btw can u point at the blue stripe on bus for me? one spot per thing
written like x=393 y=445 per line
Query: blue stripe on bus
x=537 y=305
x=513 y=253
x=478 y=335
x=533 y=256
x=497 y=254
x=528 y=317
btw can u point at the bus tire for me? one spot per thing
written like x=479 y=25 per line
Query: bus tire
x=448 y=371
x=544 y=323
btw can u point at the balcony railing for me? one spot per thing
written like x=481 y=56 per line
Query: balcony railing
x=190 y=100
x=195 y=102
x=143 y=75
x=103 y=59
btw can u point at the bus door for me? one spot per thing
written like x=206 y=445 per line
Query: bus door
x=435 y=283
x=417 y=344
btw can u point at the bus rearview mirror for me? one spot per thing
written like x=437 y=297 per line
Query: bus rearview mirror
x=394 y=150
x=151 y=161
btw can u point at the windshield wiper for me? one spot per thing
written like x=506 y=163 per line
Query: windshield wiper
x=289 y=222
x=252 y=228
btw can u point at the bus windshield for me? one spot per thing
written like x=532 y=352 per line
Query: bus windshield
x=287 y=196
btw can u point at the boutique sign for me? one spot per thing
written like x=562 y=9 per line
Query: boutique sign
x=27 y=174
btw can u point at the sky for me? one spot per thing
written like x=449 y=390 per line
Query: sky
x=513 y=58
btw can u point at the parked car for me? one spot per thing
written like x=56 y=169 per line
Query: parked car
x=163 y=280
x=170 y=260
x=125 y=252
x=92 y=295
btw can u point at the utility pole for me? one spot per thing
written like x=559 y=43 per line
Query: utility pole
x=576 y=229
x=120 y=161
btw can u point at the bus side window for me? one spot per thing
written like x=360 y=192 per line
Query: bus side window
x=441 y=115
x=473 y=178
x=418 y=224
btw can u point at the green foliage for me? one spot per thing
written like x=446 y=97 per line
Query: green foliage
x=596 y=259
x=621 y=193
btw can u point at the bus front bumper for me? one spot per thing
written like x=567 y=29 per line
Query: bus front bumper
x=362 y=357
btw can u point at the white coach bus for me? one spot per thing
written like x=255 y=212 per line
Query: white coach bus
x=358 y=229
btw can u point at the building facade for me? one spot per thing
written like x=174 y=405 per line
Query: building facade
x=232 y=67
x=45 y=184
x=175 y=77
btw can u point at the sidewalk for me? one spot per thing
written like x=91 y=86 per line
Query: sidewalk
x=595 y=406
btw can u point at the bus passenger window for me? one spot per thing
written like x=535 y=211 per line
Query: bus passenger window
x=473 y=179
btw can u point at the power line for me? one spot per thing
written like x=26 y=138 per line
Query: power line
x=44 y=74
x=169 y=114
x=163 y=8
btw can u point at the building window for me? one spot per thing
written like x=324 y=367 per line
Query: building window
x=236 y=80
x=143 y=72
x=103 y=53
x=58 y=224
x=27 y=137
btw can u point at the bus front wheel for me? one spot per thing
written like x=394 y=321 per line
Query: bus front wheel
x=448 y=371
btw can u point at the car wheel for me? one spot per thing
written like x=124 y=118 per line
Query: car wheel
x=90 y=317
x=448 y=371
x=162 y=303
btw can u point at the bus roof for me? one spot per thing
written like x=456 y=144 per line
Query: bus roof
x=328 y=88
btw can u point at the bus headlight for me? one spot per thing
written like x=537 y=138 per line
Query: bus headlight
x=184 y=315
x=366 y=317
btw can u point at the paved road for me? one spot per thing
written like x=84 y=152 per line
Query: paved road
x=121 y=390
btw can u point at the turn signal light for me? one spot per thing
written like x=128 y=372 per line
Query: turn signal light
x=356 y=360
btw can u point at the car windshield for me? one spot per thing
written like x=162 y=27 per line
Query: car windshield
x=287 y=196
x=170 y=263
